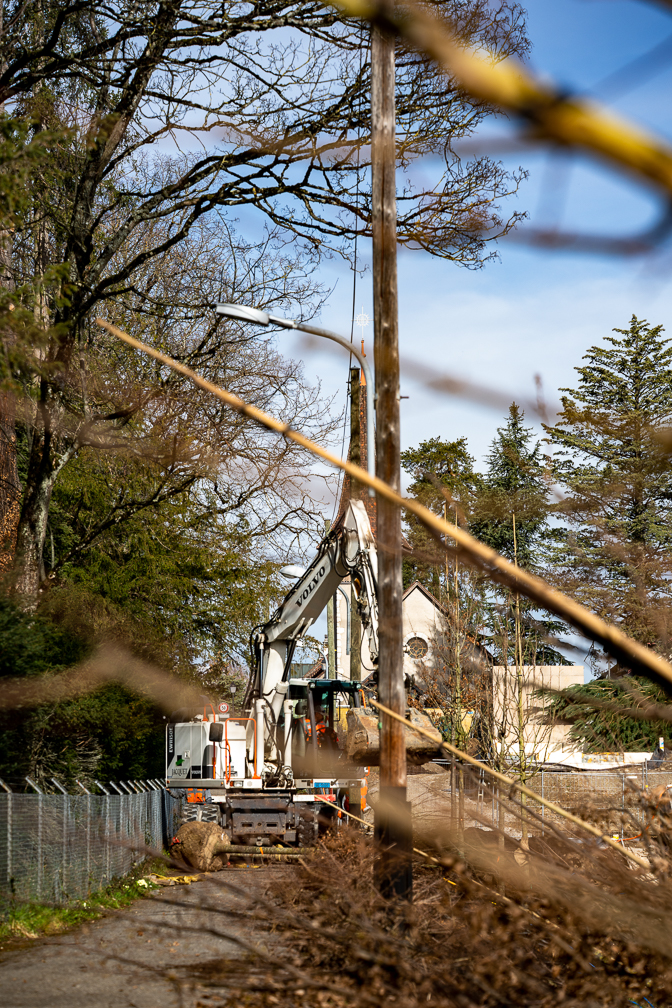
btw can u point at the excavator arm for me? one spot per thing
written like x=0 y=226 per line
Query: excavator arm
x=347 y=550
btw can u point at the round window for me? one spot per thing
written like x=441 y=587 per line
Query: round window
x=417 y=647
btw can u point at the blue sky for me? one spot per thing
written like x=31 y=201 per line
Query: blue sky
x=532 y=311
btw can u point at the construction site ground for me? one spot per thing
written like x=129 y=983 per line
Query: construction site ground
x=144 y=956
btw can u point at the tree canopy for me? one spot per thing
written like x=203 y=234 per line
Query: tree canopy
x=511 y=510
x=444 y=481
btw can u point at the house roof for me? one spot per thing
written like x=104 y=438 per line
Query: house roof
x=428 y=595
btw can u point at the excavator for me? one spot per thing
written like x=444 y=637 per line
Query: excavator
x=264 y=777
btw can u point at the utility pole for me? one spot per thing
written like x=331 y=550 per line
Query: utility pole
x=332 y=628
x=356 y=493
x=393 y=818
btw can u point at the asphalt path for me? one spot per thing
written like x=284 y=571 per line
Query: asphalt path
x=145 y=956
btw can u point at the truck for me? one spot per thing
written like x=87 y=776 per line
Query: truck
x=274 y=774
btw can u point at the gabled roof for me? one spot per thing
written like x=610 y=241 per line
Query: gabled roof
x=428 y=595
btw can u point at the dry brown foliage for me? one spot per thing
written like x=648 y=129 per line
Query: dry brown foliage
x=487 y=927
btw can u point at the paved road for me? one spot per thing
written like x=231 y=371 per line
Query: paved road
x=138 y=958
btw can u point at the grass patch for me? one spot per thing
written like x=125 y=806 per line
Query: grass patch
x=31 y=920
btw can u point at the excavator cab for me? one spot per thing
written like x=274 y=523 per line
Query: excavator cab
x=318 y=711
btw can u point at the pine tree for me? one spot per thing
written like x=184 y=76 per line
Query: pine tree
x=510 y=514
x=615 y=552
x=449 y=463
x=512 y=506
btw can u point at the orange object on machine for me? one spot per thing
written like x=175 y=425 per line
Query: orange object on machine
x=364 y=790
x=195 y=795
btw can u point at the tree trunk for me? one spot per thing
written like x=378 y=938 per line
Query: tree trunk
x=43 y=470
x=33 y=523
x=10 y=487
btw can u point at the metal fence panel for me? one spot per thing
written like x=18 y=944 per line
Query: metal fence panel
x=55 y=848
x=610 y=799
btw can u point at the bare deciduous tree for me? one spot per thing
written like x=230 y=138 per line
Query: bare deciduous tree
x=159 y=114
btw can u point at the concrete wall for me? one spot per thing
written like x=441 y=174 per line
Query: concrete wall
x=540 y=736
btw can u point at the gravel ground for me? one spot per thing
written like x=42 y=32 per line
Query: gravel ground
x=140 y=957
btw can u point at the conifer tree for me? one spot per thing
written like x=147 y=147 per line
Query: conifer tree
x=510 y=514
x=449 y=464
x=445 y=482
x=615 y=553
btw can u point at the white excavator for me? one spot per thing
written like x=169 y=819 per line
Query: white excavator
x=264 y=777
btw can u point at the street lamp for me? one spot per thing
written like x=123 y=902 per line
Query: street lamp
x=243 y=313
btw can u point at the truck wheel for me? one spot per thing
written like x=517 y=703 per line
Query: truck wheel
x=326 y=819
x=307 y=829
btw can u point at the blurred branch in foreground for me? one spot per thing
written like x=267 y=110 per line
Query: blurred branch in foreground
x=110 y=663
x=550 y=113
x=452 y=385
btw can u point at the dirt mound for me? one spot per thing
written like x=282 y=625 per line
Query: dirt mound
x=201 y=844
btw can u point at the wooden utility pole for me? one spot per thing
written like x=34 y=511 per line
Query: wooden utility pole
x=393 y=821
x=332 y=628
x=356 y=494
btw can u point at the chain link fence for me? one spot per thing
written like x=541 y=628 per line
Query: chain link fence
x=605 y=797
x=55 y=848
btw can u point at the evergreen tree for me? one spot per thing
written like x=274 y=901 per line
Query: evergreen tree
x=510 y=514
x=450 y=464
x=446 y=483
x=109 y=733
x=605 y=728
x=184 y=568
x=512 y=506
x=614 y=553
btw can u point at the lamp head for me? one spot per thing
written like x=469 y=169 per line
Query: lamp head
x=292 y=571
x=243 y=313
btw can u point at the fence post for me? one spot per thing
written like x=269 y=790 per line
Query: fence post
x=452 y=795
x=39 y=845
x=88 y=842
x=107 y=838
x=10 y=837
x=493 y=787
x=64 y=868
x=543 y=807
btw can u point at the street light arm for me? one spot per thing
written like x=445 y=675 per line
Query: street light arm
x=368 y=376
x=350 y=347
x=245 y=313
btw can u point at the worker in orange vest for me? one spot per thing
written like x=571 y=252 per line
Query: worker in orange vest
x=320 y=726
